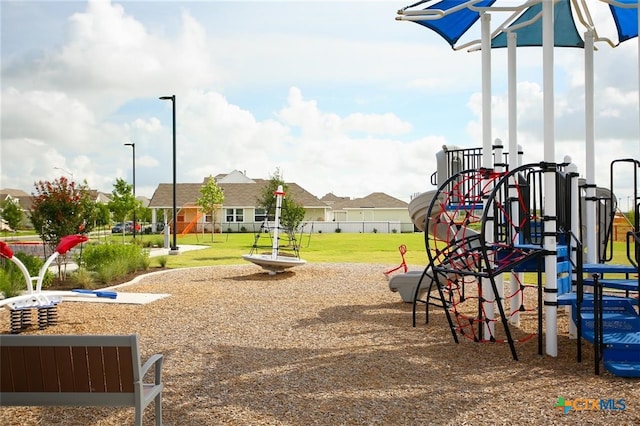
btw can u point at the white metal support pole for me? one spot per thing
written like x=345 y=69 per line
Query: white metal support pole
x=485 y=42
x=487 y=154
x=515 y=278
x=512 y=39
x=590 y=169
x=550 y=223
x=276 y=232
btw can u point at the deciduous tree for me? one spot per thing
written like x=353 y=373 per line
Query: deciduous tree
x=122 y=202
x=11 y=213
x=60 y=208
x=210 y=200
x=291 y=214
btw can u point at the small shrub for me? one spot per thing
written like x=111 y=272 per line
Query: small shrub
x=112 y=271
x=114 y=261
x=12 y=282
x=375 y=231
x=229 y=230
x=102 y=254
x=162 y=261
x=394 y=231
x=82 y=278
x=338 y=230
x=243 y=229
x=143 y=263
x=156 y=242
x=319 y=231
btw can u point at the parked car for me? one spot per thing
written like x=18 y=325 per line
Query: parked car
x=128 y=228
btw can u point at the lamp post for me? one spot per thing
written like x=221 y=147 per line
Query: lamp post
x=174 y=245
x=133 y=146
x=65 y=171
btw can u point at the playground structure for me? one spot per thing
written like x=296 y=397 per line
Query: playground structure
x=43 y=301
x=275 y=261
x=484 y=224
x=449 y=161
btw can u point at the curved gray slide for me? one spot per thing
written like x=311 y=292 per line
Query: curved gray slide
x=406 y=284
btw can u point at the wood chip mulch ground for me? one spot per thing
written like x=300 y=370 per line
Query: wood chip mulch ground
x=326 y=344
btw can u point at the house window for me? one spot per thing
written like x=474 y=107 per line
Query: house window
x=208 y=218
x=235 y=215
x=261 y=214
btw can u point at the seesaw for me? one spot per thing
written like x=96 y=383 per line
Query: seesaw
x=44 y=301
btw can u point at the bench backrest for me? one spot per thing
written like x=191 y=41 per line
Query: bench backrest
x=105 y=369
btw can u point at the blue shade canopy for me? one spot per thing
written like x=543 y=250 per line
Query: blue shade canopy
x=564 y=28
x=626 y=20
x=457 y=18
x=453 y=26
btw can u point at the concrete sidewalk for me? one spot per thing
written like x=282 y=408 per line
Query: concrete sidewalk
x=155 y=252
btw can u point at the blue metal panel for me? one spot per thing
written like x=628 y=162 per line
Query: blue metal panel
x=626 y=20
x=451 y=27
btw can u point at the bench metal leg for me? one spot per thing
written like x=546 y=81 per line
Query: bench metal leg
x=158 y=409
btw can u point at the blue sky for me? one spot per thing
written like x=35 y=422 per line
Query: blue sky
x=339 y=96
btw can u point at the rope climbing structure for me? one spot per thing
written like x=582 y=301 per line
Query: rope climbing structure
x=276 y=261
x=480 y=225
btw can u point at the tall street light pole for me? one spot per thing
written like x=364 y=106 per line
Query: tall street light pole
x=65 y=171
x=174 y=245
x=133 y=146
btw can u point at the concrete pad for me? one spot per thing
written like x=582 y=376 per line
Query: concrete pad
x=124 y=298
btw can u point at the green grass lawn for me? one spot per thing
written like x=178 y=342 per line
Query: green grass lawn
x=227 y=249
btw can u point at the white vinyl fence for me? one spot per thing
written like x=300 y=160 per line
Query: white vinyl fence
x=382 y=227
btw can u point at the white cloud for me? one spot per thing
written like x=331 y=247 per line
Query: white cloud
x=110 y=58
x=376 y=124
x=50 y=116
x=151 y=125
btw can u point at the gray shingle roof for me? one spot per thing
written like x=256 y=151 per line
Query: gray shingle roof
x=373 y=200
x=13 y=192
x=331 y=197
x=235 y=194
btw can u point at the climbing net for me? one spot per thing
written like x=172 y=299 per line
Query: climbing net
x=284 y=240
x=475 y=227
x=468 y=307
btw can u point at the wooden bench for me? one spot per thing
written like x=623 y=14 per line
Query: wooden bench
x=69 y=370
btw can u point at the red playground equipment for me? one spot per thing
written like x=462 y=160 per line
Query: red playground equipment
x=403 y=250
x=45 y=302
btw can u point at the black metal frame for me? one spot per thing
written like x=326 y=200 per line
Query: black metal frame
x=473 y=254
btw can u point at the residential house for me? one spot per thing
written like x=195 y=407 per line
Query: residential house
x=99 y=197
x=238 y=212
x=22 y=198
x=377 y=212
